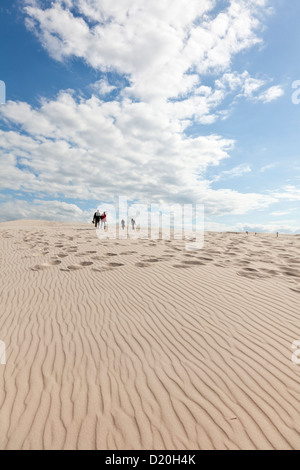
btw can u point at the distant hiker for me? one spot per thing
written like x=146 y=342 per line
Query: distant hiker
x=133 y=223
x=277 y=234
x=123 y=224
x=96 y=218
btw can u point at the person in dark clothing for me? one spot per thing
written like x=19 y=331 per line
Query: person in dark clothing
x=96 y=219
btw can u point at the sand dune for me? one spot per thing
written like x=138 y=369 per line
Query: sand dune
x=139 y=344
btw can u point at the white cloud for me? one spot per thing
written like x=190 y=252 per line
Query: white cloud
x=46 y=210
x=103 y=87
x=163 y=46
x=241 y=82
x=87 y=147
x=239 y=170
x=271 y=94
x=90 y=149
x=245 y=86
x=270 y=166
x=288 y=193
x=135 y=145
x=280 y=213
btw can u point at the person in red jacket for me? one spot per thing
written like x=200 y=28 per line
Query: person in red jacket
x=103 y=220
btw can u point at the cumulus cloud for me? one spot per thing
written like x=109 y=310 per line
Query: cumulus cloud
x=241 y=82
x=163 y=46
x=38 y=209
x=137 y=144
x=88 y=148
x=103 y=87
x=243 y=85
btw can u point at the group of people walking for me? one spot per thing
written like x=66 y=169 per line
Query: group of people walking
x=133 y=223
x=99 y=220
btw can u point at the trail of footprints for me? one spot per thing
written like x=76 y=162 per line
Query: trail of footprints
x=272 y=258
x=41 y=247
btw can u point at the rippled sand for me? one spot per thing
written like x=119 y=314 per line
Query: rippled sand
x=139 y=344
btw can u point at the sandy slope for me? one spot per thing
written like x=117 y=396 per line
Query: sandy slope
x=141 y=345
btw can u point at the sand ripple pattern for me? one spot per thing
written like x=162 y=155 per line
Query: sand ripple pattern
x=131 y=352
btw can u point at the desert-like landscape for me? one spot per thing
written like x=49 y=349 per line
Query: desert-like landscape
x=140 y=344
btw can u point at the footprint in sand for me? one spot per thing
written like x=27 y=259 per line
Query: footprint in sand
x=75 y=267
x=38 y=267
x=101 y=270
x=242 y=263
x=272 y=272
x=252 y=275
x=115 y=265
x=62 y=255
x=194 y=263
x=292 y=273
x=184 y=266
x=153 y=260
x=111 y=254
x=142 y=265
x=127 y=253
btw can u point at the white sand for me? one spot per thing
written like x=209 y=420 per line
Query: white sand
x=142 y=345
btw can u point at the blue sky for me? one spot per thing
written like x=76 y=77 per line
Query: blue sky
x=160 y=103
